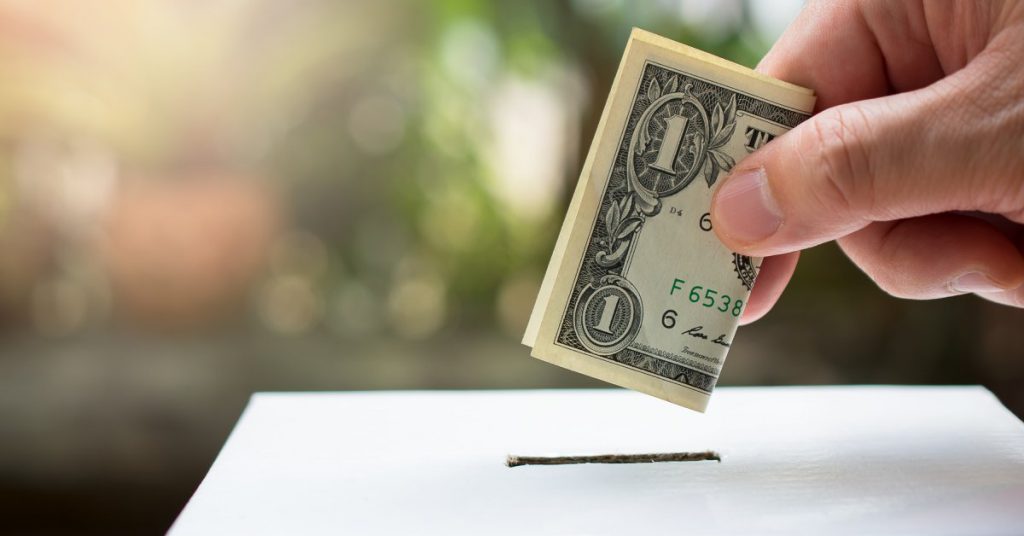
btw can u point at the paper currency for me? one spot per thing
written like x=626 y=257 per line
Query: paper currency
x=639 y=291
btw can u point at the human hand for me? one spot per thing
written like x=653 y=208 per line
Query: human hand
x=915 y=163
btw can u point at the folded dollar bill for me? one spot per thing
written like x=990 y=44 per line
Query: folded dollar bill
x=639 y=291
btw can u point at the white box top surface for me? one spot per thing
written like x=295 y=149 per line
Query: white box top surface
x=838 y=460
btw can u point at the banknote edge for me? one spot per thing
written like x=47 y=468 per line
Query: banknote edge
x=630 y=378
x=565 y=232
x=707 y=57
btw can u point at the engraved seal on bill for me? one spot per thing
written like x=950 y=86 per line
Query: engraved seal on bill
x=676 y=140
x=745 y=270
x=608 y=315
x=667 y=147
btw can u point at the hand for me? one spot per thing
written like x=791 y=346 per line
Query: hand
x=914 y=163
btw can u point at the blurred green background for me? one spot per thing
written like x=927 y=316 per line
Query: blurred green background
x=199 y=200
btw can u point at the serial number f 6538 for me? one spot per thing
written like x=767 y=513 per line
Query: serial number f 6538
x=707 y=297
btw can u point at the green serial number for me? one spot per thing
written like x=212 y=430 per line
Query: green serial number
x=707 y=297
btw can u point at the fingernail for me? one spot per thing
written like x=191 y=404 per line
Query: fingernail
x=975 y=282
x=745 y=209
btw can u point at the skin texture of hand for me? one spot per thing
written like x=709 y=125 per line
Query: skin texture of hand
x=914 y=162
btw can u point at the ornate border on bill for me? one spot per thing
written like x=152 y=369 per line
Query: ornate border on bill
x=639 y=292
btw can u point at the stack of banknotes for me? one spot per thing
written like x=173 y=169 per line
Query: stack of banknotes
x=639 y=291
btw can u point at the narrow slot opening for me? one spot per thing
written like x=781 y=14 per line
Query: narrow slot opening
x=663 y=457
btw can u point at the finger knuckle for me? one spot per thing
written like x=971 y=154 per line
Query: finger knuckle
x=837 y=154
x=881 y=259
x=886 y=276
x=891 y=279
x=892 y=284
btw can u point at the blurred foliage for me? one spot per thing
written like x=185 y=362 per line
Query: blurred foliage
x=404 y=163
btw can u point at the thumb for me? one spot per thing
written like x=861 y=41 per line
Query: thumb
x=884 y=159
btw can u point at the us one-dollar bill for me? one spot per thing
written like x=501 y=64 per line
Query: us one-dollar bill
x=639 y=291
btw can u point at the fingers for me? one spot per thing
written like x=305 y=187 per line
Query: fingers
x=1012 y=297
x=842 y=29
x=938 y=256
x=772 y=278
x=895 y=157
x=939 y=144
x=810 y=185
x=850 y=51
x=1015 y=232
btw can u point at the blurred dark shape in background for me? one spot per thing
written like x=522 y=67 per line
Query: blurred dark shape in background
x=199 y=200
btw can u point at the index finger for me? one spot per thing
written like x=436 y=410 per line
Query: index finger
x=850 y=51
